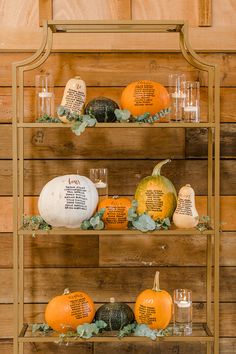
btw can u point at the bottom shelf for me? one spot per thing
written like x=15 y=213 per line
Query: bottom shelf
x=201 y=333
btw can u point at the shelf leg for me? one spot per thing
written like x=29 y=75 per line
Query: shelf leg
x=217 y=212
x=15 y=214
x=209 y=348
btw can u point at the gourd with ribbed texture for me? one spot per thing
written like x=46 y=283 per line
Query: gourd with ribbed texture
x=115 y=314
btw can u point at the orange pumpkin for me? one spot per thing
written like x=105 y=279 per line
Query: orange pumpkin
x=153 y=307
x=65 y=312
x=144 y=96
x=116 y=213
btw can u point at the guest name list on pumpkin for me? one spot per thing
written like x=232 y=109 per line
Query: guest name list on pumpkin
x=154 y=200
x=75 y=196
x=144 y=94
x=147 y=314
x=79 y=307
x=74 y=100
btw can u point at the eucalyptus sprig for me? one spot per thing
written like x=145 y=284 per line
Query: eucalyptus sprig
x=95 y=222
x=86 y=331
x=144 y=222
x=124 y=115
x=80 y=121
x=41 y=327
x=142 y=330
x=48 y=119
x=203 y=223
x=35 y=223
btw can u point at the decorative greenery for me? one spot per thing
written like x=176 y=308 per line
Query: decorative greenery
x=41 y=327
x=142 y=330
x=124 y=115
x=80 y=122
x=48 y=119
x=204 y=223
x=86 y=331
x=95 y=222
x=35 y=223
x=144 y=222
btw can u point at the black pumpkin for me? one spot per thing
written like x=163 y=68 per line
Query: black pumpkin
x=102 y=108
x=115 y=314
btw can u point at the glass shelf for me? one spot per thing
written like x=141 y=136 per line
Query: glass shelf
x=66 y=231
x=120 y=125
x=201 y=332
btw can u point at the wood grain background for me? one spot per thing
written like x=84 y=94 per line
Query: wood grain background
x=113 y=265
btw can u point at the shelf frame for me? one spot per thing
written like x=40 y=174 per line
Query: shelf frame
x=180 y=28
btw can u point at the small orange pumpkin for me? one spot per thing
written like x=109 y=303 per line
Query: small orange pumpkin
x=116 y=213
x=144 y=96
x=153 y=307
x=65 y=312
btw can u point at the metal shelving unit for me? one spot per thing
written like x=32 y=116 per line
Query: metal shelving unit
x=201 y=332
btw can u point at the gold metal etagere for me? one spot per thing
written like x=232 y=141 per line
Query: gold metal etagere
x=202 y=332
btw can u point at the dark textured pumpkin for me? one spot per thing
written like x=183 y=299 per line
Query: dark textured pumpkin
x=115 y=314
x=102 y=108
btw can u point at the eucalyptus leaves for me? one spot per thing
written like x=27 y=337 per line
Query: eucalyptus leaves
x=144 y=222
x=89 y=330
x=81 y=121
x=35 y=223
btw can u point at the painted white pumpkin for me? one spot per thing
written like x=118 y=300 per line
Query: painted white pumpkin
x=68 y=200
x=186 y=215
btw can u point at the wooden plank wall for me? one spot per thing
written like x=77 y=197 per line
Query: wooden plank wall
x=116 y=266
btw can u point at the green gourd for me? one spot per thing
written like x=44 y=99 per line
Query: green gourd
x=115 y=314
x=102 y=108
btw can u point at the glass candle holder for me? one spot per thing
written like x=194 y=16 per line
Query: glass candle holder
x=177 y=95
x=191 y=101
x=182 y=312
x=44 y=91
x=99 y=176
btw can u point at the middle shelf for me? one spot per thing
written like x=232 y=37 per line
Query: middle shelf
x=121 y=125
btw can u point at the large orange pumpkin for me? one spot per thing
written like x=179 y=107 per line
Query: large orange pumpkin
x=116 y=213
x=144 y=96
x=153 y=307
x=65 y=312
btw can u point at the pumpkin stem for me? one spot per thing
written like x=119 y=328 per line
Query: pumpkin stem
x=157 y=169
x=156 y=284
x=66 y=291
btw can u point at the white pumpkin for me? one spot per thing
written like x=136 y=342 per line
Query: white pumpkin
x=68 y=200
x=186 y=215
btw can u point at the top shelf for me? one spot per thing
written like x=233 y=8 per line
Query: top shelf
x=116 y=26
